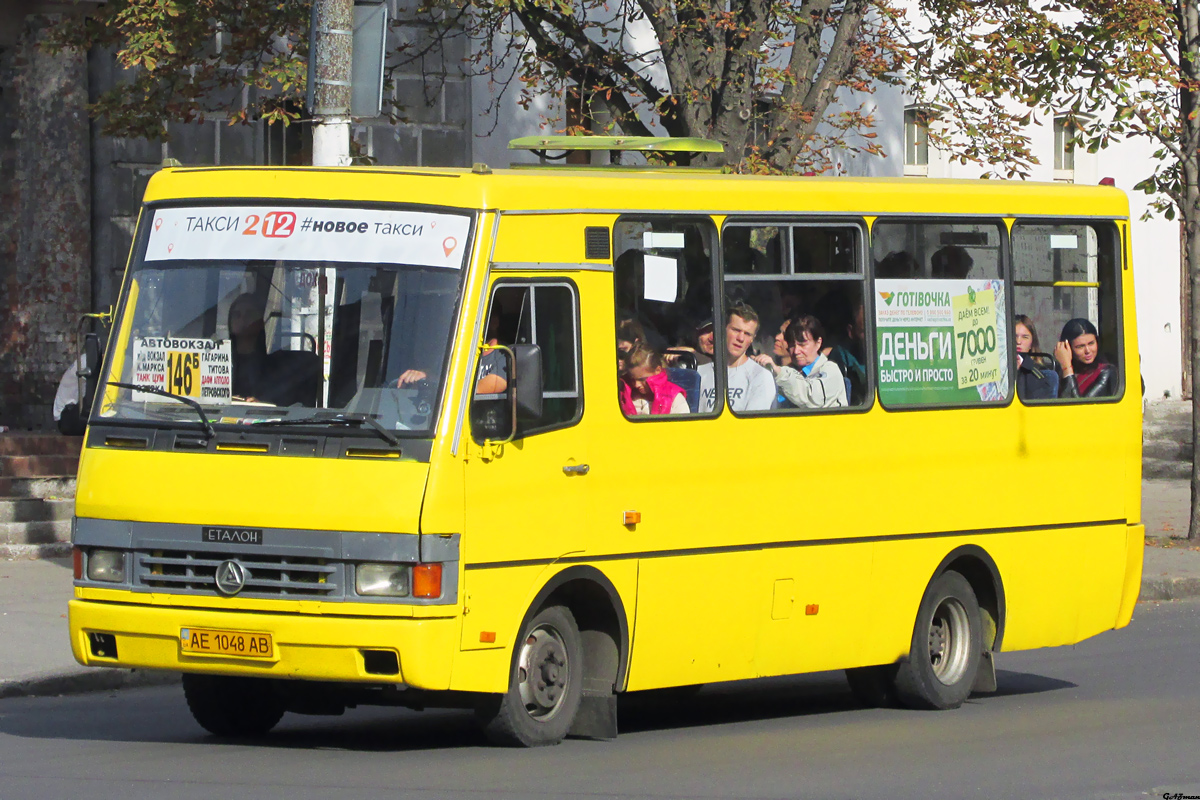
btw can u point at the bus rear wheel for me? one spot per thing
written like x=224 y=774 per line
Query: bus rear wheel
x=545 y=687
x=231 y=706
x=947 y=646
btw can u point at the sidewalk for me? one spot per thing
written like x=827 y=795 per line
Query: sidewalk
x=1171 y=570
x=35 y=652
x=35 y=647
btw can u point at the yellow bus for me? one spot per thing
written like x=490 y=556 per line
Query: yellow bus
x=523 y=440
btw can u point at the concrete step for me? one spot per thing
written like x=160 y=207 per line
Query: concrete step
x=35 y=509
x=1167 y=439
x=38 y=466
x=1173 y=435
x=52 y=488
x=1167 y=450
x=26 y=533
x=1167 y=409
x=1166 y=468
x=39 y=444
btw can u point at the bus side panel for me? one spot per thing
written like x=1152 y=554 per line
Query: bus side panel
x=1132 y=431
x=1135 y=552
x=1101 y=589
x=719 y=592
x=1060 y=586
x=1042 y=573
x=496 y=601
x=820 y=604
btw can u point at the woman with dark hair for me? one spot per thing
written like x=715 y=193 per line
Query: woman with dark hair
x=812 y=380
x=1084 y=371
x=1034 y=382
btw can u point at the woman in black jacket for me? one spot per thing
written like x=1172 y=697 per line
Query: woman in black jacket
x=1085 y=373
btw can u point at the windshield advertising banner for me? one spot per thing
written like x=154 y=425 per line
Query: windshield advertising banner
x=941 y=342
x=305 y=233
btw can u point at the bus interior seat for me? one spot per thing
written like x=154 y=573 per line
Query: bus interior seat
x=682 y=357
x=689 y=381
x=291 y=377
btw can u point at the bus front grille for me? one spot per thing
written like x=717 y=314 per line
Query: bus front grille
x=194 y=572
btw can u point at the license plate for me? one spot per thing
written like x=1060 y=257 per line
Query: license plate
x=244 y=644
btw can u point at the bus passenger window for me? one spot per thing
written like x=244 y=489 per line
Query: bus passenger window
x=1065 y=278
x=664 y=315
x=941 y=315
x=810 y=341
x=543 y=314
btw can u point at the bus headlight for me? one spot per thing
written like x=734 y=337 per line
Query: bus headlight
x=382 y=580
x=106 y=565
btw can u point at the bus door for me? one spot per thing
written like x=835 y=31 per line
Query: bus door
x=523 y=497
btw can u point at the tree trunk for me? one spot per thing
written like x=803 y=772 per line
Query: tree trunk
x=1191 y=232
x=1189 y=206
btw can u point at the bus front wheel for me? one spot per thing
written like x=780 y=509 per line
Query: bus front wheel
x=232 y=706
x=947 y=646
x=545 y=687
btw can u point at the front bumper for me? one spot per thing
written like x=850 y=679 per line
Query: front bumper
x=307 y=647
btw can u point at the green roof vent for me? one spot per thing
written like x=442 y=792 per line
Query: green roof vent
x=672 y=150
x=648 y=144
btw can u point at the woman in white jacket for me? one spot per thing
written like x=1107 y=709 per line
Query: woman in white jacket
x=813 y=381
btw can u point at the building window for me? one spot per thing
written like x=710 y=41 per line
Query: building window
x=1064 y=149
x=916 y=141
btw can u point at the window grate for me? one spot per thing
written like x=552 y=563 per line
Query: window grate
x=596 y=243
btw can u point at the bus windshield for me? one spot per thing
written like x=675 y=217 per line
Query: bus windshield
x=288 y=315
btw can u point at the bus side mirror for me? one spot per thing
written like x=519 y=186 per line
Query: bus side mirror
x=527 y=375
x=494 y=417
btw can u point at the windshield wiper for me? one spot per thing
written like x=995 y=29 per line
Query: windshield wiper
x=205 y=424
x=336 y=419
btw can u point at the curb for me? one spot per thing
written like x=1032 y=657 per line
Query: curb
x=109 y=679
x=1169 y=588
x=93 y=680
x=32 y=552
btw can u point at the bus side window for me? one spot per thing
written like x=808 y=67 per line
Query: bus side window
x=664 y=316
x=942 y=315
x=804 y=286
x=546 y=315
x=1065 y=277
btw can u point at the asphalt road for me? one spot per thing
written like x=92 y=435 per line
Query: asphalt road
x=1114 y=717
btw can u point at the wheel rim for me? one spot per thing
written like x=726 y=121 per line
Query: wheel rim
x=543 y=673
x=949 y=641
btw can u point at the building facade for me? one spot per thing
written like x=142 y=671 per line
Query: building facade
x=70 y=195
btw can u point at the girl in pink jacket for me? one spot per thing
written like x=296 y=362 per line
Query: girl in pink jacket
x=645 y=387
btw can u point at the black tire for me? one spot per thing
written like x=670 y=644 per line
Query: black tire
x=232 y=707
x=545 y=686
x=874 y=687
x=947 y=646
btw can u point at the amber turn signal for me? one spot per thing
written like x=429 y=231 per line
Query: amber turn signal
x=811 y=609
x=427 y=580
x=633 y=517
x=487 y=637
